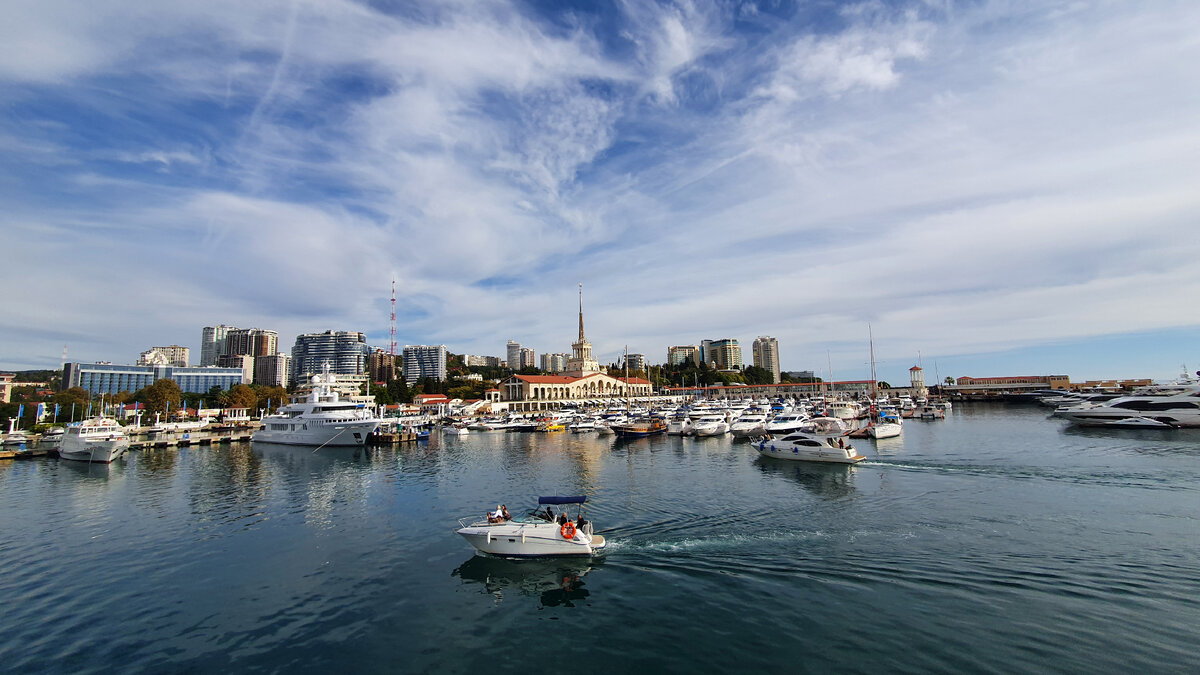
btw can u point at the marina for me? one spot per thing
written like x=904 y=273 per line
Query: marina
x=1000 y=538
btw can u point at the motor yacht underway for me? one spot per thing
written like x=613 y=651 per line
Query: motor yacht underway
x=323 y=419
x=539 y=533
x=99 y=439
x=823 y=439
x=1175 y=405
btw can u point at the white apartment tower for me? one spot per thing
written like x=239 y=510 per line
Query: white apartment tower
x=766 y=356
x=421 y=361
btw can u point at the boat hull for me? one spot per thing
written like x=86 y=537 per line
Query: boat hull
x=99 y=451
x=830 y=455
x=340 y=434
x=530 y=540
x=878 y=431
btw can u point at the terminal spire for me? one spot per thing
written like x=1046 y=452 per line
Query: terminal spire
x=581 y=338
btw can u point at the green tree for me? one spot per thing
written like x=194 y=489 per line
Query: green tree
x=757 y=375
x=242 y=396
x=160 y=397
x=270 y=398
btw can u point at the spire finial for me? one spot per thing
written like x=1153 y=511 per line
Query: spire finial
x=581 y=311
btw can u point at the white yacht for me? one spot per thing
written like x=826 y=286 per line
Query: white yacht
x=710 y=425
x=679 y=425
x=822 y=440
x=323 y=419
x=749 y=423
x=15 y=436
x=785 y=423
x=846 y=410
x=1176 y=405
x=538 y=533
x=99 y=439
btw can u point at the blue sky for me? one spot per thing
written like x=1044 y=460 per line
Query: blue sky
x=998 y=187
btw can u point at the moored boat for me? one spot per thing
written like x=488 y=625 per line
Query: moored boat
x=99 y=439
x=640 y=428
x=322 y=419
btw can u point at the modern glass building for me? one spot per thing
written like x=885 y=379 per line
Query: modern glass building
x=108 y=378
x=212 y=343
x=346 y=351
x=421 y=361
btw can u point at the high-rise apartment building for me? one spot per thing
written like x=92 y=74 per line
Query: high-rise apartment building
x=484 y=361
x=636 y=361
x=243 y=361
x=381 y=366
x=706 y=355
x=766 y=355
x=251 y=342
x=528 y=358
x=346 y=352
x=677 y=356
x=421 y=361
x=725 y=354
x=554 y=363
x=272 y=371
x=173 y=355
x=513 y=354
x=212 y=344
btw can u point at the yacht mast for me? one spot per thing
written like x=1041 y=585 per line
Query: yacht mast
x=874 y=382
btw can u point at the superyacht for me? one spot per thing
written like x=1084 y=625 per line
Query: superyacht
x=323 y=419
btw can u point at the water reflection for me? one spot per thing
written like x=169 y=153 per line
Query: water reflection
x=557 y=582
x=828 y=481
x=93 y=470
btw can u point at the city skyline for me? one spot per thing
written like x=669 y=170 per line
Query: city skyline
x=995 y=189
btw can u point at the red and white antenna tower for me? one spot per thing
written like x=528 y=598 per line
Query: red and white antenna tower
x=392 y=349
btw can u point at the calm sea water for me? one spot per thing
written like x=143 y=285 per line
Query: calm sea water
x=996 y=540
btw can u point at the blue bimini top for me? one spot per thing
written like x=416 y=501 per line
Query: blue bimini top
x=562 y=500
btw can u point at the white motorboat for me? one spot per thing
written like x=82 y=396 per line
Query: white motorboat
x=749 y=424
x=822 y=440
x=785 y=423
x=52 y=437
x=456 y=430
x=15 y=436
x=1176 y=405
x=679 y=425
x=583 y=426
x=538 y=533
x=710 y=425
x=886 y=426
x=99 y=439
x=323 y=419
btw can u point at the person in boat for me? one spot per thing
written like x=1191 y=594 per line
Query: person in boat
x=562 y=518
x=549 y=514
x=580 y=522
x=496 y=516
x=505 y=515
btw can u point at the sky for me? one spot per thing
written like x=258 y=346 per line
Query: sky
x=983 y=188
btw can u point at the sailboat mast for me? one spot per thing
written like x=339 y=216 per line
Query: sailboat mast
x=874 y=381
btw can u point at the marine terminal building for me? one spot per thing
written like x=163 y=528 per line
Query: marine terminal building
x=582 y=381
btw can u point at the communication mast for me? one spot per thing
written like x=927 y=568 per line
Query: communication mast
x=392 y=348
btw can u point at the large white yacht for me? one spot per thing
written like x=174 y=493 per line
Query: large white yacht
x=99 y=439
x=323 y=419
x=1176 y=404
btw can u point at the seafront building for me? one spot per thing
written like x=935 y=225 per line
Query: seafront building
x=243 y=362
x=766 y=356
x=421 y=361
x=582 y=380
x=108 y=378
x=174 y=355
x=6 y=383
x=345 y=351
x=254 y=342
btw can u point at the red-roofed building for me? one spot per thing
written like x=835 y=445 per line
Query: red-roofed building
x=547 y=392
